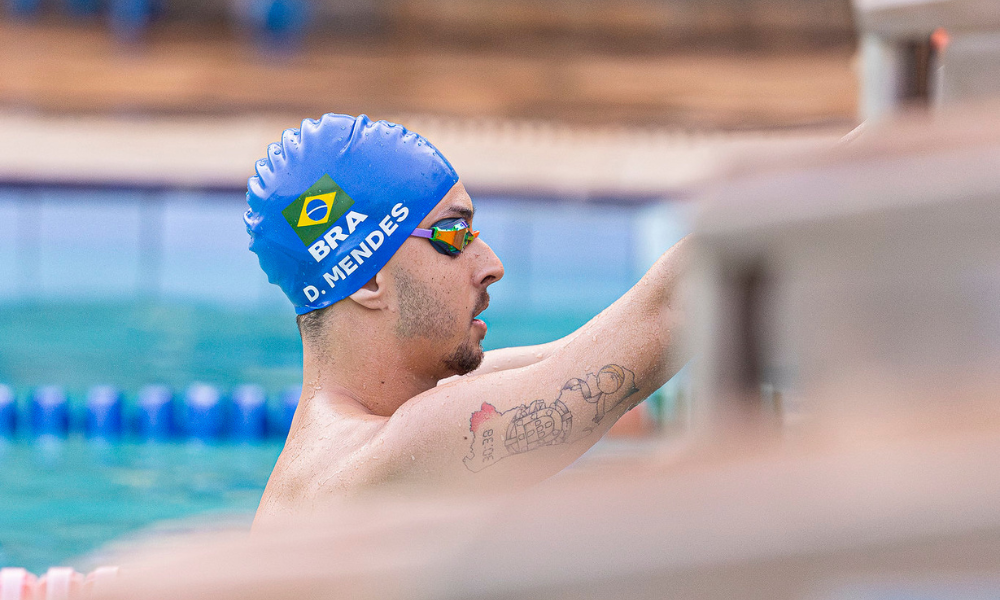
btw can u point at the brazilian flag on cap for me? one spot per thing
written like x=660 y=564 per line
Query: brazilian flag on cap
x=319 y=207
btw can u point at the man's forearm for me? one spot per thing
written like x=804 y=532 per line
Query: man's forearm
x=658 y=287
x=652 y=291
x=644 y=323
x=654 y=294
x=600 y=372
x=504 y=359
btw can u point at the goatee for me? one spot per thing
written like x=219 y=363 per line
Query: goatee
x=466 y=358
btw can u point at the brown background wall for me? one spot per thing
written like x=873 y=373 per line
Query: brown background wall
x=686 y=63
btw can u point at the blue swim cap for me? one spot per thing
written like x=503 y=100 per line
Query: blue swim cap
x=334 y=200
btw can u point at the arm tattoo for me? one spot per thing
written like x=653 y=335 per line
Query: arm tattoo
x=497 y=435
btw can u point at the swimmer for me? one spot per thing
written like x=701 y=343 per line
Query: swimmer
x=367 y=229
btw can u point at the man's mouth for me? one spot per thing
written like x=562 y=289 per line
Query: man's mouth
x=483 y=304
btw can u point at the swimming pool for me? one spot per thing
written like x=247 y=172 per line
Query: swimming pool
x=63 y=499
x=129 y=288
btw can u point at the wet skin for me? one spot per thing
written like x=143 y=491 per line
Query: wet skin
x=387 y=399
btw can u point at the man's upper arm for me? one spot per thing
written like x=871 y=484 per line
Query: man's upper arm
x=532 y=421
x=481 y=427
x=528 y=423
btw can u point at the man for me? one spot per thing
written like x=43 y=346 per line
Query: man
x=367 y=229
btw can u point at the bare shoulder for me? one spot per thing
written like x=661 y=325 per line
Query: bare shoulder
x=326 y=454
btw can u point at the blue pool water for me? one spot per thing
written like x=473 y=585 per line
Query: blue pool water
x=62 y=499
x=129 y=288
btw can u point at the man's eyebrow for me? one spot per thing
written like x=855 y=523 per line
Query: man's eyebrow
x=461 y=211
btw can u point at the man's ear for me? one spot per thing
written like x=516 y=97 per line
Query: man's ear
x=372 y=294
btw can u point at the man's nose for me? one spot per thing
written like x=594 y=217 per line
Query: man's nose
x=490 y=269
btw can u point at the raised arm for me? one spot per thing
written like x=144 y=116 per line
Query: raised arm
x=504 y=359
x=526 y=423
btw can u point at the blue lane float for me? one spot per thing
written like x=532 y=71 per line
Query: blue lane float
x=204 y=413
x=155 y=413
x=8 y=412
x=288 y=402
x=50 y=412
x=248 y=415
x=104 y=413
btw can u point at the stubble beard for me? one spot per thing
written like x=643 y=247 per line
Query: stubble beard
x=466 y=358
x=421 y=316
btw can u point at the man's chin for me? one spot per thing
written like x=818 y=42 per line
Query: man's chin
x=466 y=358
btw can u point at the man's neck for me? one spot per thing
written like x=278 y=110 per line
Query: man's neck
x=377 y=377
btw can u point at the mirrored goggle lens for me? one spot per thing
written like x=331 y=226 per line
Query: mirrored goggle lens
x=451 y=236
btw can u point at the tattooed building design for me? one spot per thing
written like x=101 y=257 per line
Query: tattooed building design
x=497 y=435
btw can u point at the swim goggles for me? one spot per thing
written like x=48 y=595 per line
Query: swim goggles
x=448 y=236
